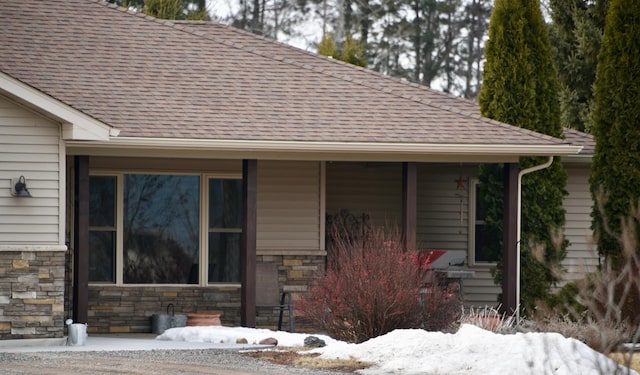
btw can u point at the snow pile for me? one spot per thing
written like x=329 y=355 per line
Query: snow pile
x=230 y=335
x=471 y=350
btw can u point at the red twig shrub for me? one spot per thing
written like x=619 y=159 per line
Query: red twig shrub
x=372 y=285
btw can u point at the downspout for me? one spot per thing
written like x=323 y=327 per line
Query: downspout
x=535 y=168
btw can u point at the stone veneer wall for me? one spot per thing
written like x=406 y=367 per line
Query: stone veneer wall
x=295 y=274
x=32 y=294
x=119 y=309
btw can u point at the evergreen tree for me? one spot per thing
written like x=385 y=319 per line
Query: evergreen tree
x=576 y=33
x=270 y=18
x=327 y=46
x=615 y=174
x=168 y=9
x=471 y=51
x=520 y=88
x=351 y=51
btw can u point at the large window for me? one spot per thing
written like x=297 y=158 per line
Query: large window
x=152 y=232
x=160 y=229
x=478 y=235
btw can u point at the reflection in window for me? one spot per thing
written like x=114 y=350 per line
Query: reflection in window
x=160 y=224
x=160 y=219
x=225 y=229
x=482 y=252
x=102 y=228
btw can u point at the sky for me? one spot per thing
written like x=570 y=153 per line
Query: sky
x=471 y=350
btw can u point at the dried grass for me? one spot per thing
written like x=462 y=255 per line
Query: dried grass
x=297 y=357
x=627 y=359
x=490 y=319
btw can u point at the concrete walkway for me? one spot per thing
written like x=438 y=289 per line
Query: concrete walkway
x=111 y=342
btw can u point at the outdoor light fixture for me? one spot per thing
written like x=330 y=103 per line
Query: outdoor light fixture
x=19 y=187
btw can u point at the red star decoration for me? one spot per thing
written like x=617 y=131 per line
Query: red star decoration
x=461 y=183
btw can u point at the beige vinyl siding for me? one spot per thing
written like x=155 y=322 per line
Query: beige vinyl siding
x=371 y=188
x=288 y=216
x=30 y=146
x=443 y=224
x=581 y=254
x=443 y=219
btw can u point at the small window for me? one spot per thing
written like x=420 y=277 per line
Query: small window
x=102 y=228
x=225 y=229
x=478 y=235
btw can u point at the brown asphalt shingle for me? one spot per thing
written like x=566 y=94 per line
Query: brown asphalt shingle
x=579 y=138
x=156 y=78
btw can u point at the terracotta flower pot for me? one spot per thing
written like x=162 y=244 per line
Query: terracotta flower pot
x=203 y=320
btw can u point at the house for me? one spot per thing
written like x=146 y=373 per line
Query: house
x=165 y=161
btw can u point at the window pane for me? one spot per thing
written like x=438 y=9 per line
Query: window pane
x=225 y=203
x=161 y=229
x=101 y=256
x=481 y=205
x=483 y=253
x=224 y=257
x=102 y=195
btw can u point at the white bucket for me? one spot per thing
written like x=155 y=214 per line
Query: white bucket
x=77 y=334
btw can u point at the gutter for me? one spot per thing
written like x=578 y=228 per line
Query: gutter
x=523 y=172
x=324 y=146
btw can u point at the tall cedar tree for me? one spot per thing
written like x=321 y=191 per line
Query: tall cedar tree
x=520 y=88
x=615 y=174
x=576 y=34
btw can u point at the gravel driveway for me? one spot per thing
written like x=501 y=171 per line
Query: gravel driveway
x=197 y=361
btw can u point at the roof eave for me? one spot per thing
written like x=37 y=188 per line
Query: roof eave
x=76 y=125
x=328 y=150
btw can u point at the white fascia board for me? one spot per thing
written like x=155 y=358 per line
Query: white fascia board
x=75 y=124
x=336 y=147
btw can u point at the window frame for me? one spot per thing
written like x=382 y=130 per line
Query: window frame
x=203 y=215
x=113 y=229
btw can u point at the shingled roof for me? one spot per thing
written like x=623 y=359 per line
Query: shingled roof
x=579 y=138
x=158 y=79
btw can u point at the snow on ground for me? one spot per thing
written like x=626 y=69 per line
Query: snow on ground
x=471 y=350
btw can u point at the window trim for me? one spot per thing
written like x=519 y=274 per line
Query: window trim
x=203 y=243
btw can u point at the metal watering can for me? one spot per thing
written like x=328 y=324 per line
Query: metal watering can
x=77 y=333
x=162 y=322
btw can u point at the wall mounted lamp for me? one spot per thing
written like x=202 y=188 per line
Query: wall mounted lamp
x=19 y=187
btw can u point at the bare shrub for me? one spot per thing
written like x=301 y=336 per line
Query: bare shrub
x=603 y=309
x=602 y=336
x=373 y=285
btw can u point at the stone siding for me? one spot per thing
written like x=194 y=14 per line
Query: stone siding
x=121 y=309
x=295 y=274
x=32 y=294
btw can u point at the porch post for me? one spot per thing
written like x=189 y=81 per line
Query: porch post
x=248 y=244
x=409 y=203
x=81 y=239
x=509 y=263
